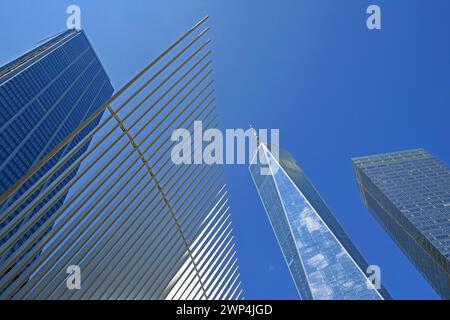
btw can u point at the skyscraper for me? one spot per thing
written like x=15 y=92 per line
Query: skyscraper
x=135 y=224
x=408 y=192
x=322 y=260
x=44 y=95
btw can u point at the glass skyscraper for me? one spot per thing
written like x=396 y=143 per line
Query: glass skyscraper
x=324 y=263
x=408 y=192
x=44 y=95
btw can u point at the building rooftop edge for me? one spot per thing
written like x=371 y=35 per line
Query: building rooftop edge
x=387 y=154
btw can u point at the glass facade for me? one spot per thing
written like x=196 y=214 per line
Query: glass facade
x=322 y=260
x=44 y=95
x=408 y=192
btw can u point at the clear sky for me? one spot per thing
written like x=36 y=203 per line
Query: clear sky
x=308 y=67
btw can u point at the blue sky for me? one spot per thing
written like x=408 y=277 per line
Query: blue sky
x=308 y=67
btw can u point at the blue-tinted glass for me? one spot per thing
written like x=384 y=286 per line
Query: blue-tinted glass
x=321 y=266
x=44 y=96
x=409 y=194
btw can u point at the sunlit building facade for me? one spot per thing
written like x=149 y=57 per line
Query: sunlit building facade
x=323 y=262
x=408 y=192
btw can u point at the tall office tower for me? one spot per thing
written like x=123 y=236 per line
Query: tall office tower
x=44 y=95
x=408 y=192
x=323 y=261
x=134 y=224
